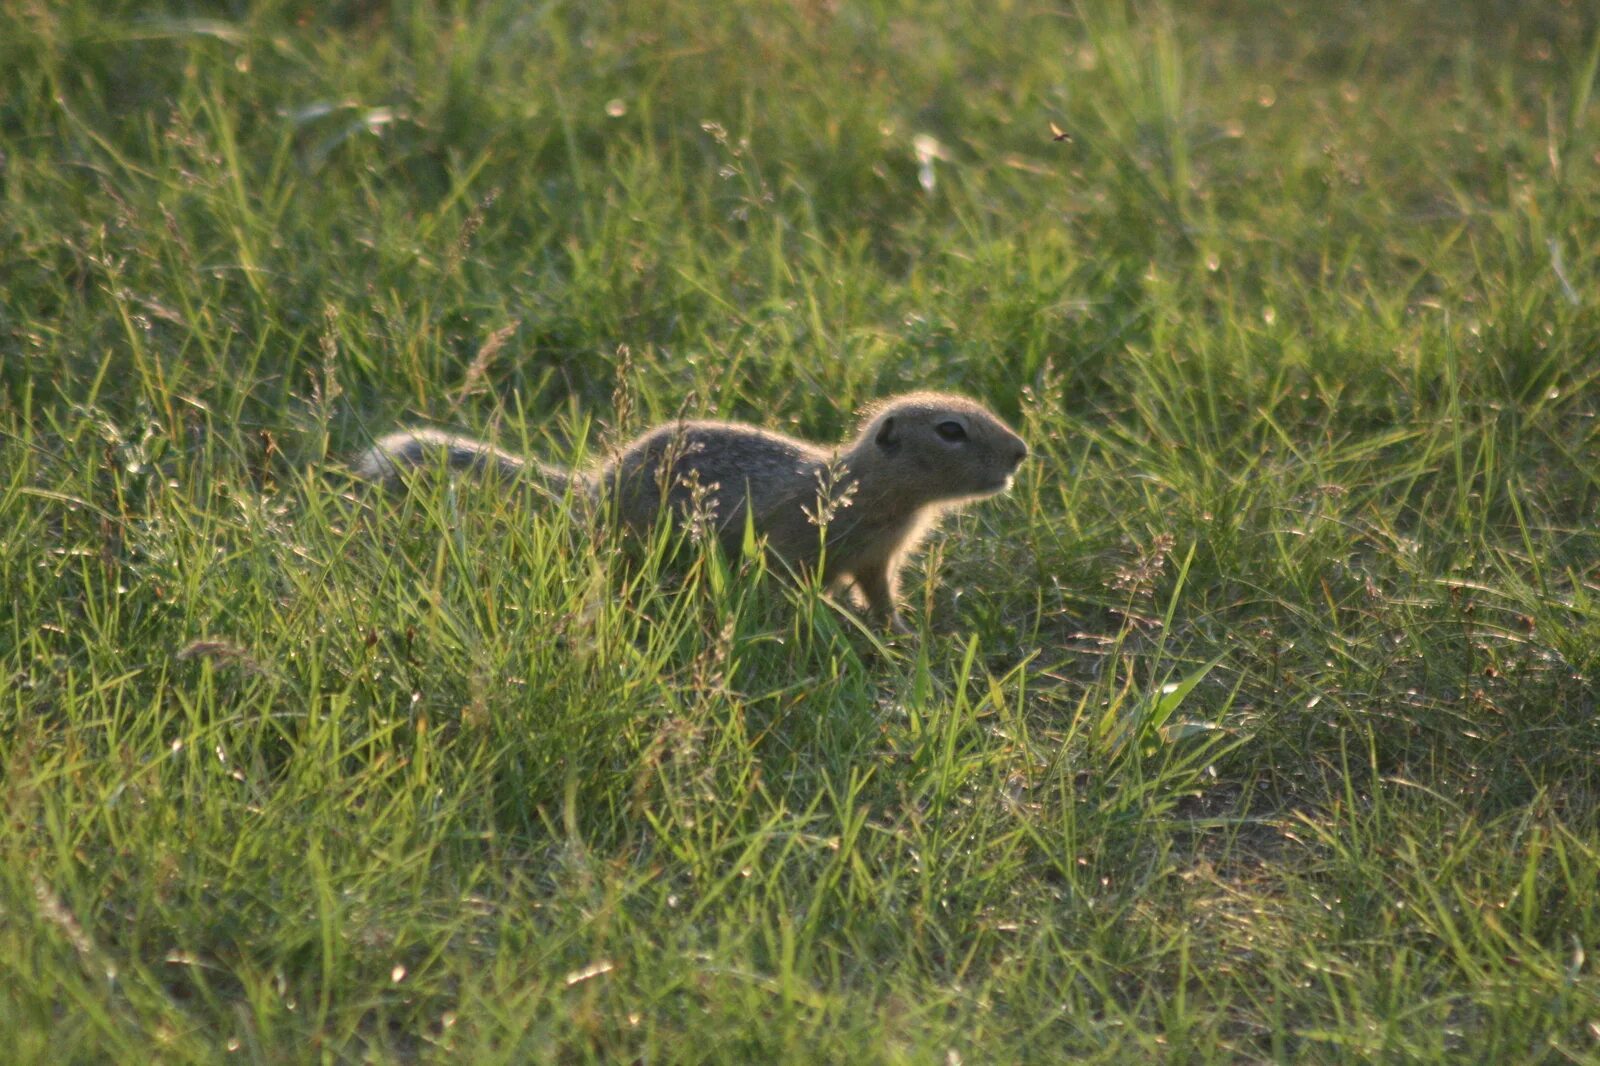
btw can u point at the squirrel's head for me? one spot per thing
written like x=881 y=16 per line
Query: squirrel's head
x=945 y=447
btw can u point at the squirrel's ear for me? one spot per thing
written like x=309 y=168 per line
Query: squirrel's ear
x=887 y=436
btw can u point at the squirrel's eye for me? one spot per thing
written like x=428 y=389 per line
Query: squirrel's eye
x=951 y=431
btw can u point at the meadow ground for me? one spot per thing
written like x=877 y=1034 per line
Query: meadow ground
x=1257 y=724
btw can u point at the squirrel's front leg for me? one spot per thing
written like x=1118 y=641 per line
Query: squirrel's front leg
x=877 y=582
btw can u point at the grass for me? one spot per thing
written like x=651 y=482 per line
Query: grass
x=1258 y=723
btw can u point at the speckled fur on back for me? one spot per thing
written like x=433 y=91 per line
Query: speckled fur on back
x=913 y=457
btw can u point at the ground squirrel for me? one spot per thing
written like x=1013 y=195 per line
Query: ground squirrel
x=913 y=457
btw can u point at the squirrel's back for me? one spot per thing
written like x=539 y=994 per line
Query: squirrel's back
x=714 y=470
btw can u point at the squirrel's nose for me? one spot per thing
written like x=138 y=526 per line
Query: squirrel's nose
x=1020 y=453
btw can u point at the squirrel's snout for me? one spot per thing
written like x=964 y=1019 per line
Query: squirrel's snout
x=1019 y=453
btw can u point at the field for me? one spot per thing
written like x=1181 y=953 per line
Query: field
x=1257 y=723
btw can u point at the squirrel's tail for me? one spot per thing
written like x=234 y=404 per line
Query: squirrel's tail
x=414 y=449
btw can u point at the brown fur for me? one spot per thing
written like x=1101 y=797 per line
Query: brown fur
x=875 y=495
